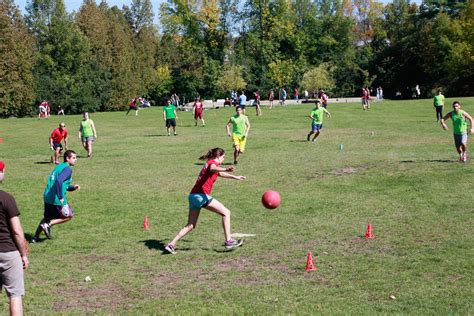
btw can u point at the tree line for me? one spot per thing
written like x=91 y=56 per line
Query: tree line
x=98 y=58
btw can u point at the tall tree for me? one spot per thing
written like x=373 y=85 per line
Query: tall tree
x=16 y=69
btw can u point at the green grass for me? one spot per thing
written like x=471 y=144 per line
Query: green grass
x=404 y=179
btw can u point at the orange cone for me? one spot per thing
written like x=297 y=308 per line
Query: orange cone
x=309 y=262
x=369 y=234
x=146 y=225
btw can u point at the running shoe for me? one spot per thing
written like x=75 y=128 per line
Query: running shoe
x=47 y=229
x=170 y=249
x=233 y=243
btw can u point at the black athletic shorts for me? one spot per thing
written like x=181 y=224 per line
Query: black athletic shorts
x=54 y=211
x=57 y=145
x=170 y=122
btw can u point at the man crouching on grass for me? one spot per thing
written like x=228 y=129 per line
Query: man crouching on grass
x=56 y=207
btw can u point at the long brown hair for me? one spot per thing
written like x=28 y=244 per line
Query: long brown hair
x=212 y=153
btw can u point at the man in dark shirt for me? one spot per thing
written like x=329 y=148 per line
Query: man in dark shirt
x=13 y=250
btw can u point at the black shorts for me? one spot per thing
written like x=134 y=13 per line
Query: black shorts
x=170 y=122
x=57 y=145
x=54 y=211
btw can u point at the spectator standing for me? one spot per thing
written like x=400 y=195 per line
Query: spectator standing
x=271 y=97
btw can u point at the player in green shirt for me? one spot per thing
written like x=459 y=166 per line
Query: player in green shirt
x=240 y=130
x=459 y=118
x=170 y=117
x=87 y=133
x=316 y=116
x=438 y=103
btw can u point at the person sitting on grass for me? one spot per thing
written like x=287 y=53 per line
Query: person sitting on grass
x=200 y=197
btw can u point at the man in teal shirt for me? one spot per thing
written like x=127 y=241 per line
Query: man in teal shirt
x=438 y=103
x=316 y=116
x=56 y=207
x=170 y=117
x=459 y=118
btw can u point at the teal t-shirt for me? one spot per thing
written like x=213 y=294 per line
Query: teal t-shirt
x=459 y=123
x=317 y=115
x=238 y=125
x=49 y=194
x=169 y=111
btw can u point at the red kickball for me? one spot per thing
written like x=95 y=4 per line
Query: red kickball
x=271 y=199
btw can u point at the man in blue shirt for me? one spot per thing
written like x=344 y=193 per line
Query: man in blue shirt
x=243 y=101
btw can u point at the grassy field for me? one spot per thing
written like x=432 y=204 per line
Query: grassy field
x=398 y=169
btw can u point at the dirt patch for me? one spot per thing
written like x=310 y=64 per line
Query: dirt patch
x=454 y=278
x=88 y=298
x=345 y=171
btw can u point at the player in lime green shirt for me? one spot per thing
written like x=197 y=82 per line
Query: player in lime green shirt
x=240 y=130
x=316 y=116
x=87 y=133
x=459 y=118
x=438 y=103
x=170 y=117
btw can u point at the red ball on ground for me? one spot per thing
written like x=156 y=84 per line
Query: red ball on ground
x=271 y=199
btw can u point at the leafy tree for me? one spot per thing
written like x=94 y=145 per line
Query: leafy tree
x=17 y=55
x=231 y=79
x=318 y=78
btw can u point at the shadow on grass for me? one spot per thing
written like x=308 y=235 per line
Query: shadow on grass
x=429 y=160
x=43 y=163
x=29 y=238
x=155 y=135
x=299 y=141
x=222 y=164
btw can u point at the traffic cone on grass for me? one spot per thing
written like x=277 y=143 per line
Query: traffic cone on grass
x=309 y=262
x=146 y=225
x=369 y=234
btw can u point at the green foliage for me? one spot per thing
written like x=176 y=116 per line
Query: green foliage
x=318 y=78
x=17 y=60
x=231 y=79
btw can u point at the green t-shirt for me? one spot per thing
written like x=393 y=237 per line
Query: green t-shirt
x=87 y=130
x=169 y=111
x=49 y=194
x=439 y=100
x=317 y=115
x=238 y=124
x=459 y=123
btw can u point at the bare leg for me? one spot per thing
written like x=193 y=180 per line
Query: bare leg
x=192 y=220
x=16 y=306
x=58 y=221
x=309 y=135
x=89 y=148
x=217 y=207
x=316 y=135
x=203 y=123
x=58 y=150
x=236 y=154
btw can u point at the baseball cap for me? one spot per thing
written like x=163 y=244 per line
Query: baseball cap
x=2 y=166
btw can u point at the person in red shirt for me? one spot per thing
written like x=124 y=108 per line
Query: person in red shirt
x=365 y=98
x=198 y=112
x=58 y=135
x=200 y=197
x=324 y=99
